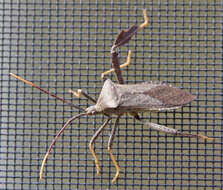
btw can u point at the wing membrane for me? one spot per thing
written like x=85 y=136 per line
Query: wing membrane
x=152 y=96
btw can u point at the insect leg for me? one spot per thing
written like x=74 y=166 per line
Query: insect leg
x=121 y=66
x=160 y=128
x=110 y=152
x=123 y=38
x=126 y=35
x=164 y=129
x=93 y=140
x=116 y=66
x=81 y=92
x=194 y=135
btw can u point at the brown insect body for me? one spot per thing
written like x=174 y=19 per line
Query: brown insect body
x=124 y=98
x=147 y=96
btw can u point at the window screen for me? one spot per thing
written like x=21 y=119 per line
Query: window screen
x=62 y=45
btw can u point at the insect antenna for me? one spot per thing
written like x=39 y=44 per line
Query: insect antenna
x=47 y=92
x=54 y=141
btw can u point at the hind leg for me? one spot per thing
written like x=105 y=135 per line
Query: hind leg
x=121 y=66
x=111 y=138
x=172 y=131
x=122 y=39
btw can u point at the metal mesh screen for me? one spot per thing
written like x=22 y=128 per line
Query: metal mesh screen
x=66 y=44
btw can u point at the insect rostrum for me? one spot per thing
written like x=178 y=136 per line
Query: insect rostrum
x=118 y=99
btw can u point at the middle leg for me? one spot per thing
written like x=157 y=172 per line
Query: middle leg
x=111 y=138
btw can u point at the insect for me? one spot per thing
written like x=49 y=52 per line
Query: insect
x=119 y=98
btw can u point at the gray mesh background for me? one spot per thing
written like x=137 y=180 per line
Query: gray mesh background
x=66 y=44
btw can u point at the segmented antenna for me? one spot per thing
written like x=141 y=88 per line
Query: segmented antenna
x=47 y=92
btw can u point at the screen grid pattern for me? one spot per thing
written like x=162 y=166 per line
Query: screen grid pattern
x=62 y=45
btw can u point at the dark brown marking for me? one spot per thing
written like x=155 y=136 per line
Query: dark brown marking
x=116 y=66
x=170 y=95
x=125 y=36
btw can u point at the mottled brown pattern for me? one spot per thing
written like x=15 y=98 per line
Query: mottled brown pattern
x=170 y=96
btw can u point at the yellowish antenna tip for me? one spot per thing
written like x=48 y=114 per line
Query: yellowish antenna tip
x=23 y=80
x=42 y=166
x=13 y=75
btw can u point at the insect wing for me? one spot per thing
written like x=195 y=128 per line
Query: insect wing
x=151 y=96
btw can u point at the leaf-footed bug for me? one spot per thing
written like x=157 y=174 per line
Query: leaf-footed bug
x=123 y=98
